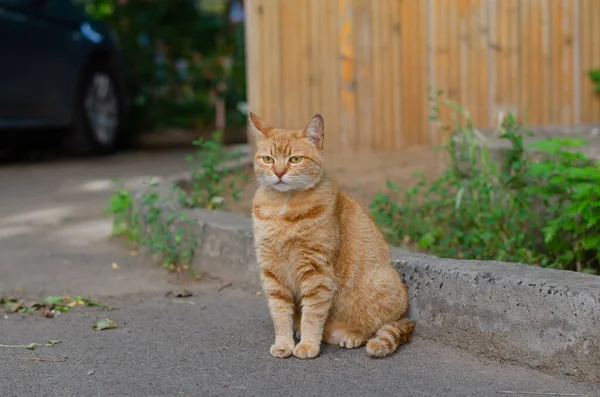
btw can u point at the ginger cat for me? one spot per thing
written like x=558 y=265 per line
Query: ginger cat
x=325 y=267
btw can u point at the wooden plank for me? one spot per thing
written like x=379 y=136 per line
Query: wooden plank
x=492 y=60
x=525 y=51
x=555 y=101
x=500 y=59
x=363 y=73
x=453 y=34
x=482 y=66
x=288 y=77
x=303 y=63
x=596 y=62
x=507 y=50
x=314 y=56
x=348 y=122
x=567 y=62
x=576 y=78
x=408 y=39
x=414 y=97
x=266 y=79
x=595 y=59
x=331 y=57
x=463 y=55
x=272 y=68
x=535 y=82
x=253 y=65
x=441 y=59
x=473 y=77
x=515 y=57
x=547 y=89
x=376 y=73
x=421 y=67
x=386 y=70
x=586 y=61
x=431 y=74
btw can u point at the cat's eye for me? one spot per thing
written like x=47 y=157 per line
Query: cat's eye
x=268 y=159
x=295 y=159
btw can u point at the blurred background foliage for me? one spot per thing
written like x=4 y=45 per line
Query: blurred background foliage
x=183 y=57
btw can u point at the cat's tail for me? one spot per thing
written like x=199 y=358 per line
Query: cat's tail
x=389 y=337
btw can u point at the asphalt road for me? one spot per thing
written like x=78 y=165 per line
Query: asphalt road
x=53 y=241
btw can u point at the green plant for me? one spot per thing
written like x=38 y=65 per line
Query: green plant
x=158 y=226
x=166 y=232
x=541 y=212
x=568 y=183
x=181 y=57
x=595 y=77
x=125 y=217
x=211 y=165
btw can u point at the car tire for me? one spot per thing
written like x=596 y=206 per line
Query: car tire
x=99 y=113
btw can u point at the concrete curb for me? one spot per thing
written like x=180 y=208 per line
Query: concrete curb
x=547 y=319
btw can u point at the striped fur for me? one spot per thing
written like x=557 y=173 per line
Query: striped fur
x=325 y=266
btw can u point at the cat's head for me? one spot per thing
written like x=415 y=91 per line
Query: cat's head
x=288 y=160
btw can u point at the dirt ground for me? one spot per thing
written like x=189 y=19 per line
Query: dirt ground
x=362 y=176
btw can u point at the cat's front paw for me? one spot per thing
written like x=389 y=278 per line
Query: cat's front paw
x=282 y=349
x=307 y=350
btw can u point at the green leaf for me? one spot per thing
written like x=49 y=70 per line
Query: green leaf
x=57 y=300
x=105 y=323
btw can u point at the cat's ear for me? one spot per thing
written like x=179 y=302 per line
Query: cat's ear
x=315 y=130
x=261 y=128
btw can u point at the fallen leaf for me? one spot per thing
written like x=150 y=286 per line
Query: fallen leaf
x=45 y=360
x=57 y=300
x=105 y=323
x=33 y=345
x=222 y=287
x=182 y=293
x=115 y=266
x=46 y=312
x=258 y=293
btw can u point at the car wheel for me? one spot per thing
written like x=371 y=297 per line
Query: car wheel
x=98 y=114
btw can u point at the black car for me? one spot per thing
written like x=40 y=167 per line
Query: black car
x=60 y=72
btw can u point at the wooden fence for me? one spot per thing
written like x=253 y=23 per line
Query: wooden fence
x=367 y=65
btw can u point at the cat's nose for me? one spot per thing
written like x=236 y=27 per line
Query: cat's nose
x=280 y=174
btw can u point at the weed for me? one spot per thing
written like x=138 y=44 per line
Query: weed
x=157 y=225
x=540 y=212
x=125 y=217
x=166 y=234
x=569 y=185
x=208 y=186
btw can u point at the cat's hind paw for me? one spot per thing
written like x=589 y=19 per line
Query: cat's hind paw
x=352 y=340
x=282 y=349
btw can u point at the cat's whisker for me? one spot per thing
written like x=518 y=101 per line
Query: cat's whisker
x=249 y=190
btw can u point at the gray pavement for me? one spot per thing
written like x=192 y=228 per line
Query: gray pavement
x=54 y=241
